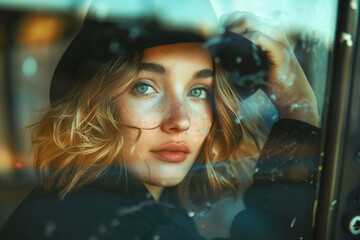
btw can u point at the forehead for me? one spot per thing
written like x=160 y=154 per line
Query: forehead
x=193 y=52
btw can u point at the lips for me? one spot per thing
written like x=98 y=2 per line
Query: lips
x=172 y=152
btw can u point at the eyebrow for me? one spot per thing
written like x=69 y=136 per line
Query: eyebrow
x=204 y=73
x=160 y=69
x=153 y=67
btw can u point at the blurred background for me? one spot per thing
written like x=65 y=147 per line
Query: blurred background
x=34 y=34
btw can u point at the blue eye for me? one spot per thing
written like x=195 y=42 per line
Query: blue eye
x=143 y=89
x=198 y=93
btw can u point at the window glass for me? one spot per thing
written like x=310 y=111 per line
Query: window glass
x=257 y=104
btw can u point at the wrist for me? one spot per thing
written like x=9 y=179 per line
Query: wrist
x=305 y=114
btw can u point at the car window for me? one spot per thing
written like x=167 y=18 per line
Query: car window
x=275 y=171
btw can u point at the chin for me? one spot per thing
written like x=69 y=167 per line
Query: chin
x=166 y=180
x=160 y=175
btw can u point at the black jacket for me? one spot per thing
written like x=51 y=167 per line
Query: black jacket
x=279 y=202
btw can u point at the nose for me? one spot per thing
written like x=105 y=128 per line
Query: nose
x=176 y=117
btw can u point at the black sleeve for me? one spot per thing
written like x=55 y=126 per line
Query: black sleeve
x=93 y=215
x=280 y=201
x=43 y=215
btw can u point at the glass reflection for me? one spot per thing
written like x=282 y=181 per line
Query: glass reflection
x=276 y=163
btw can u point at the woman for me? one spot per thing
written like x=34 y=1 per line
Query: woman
x=136 y=140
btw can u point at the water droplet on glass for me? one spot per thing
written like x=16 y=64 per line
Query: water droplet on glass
x=238 y=119
x=115 y=222
x=354 y=4
x=29 y=66
x=49 y=229
x=333 y=203
x=347 y=38
x=203 y=130
x=256 y=170
x=295 y=106
x=273 y=97
x=292 y=224
x=148 y=195
x=282 y=78
x=191 y=214
x=134 y=33
x=238 y=60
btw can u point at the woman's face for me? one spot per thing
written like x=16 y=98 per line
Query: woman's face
x=171 y=103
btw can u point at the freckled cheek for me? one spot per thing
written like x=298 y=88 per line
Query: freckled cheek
x=202 y=120
x=141 y=115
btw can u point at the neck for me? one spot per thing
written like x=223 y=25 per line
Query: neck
x=155 y=191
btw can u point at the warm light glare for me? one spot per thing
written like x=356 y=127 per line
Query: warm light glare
x=40 y=29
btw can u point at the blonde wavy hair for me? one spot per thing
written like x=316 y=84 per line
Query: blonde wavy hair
x=80 y=136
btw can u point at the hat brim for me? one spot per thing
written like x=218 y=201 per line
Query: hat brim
x=98 y=42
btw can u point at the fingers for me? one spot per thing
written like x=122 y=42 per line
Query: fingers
x=244 y=22
x=288 y=87
x=276 y=51
x=270 y=39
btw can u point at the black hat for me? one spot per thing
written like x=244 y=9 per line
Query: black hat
x=99 y=42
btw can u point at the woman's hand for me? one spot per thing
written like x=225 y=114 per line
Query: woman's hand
x=288 y=86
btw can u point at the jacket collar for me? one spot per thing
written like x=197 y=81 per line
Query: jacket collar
x=118 y=181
